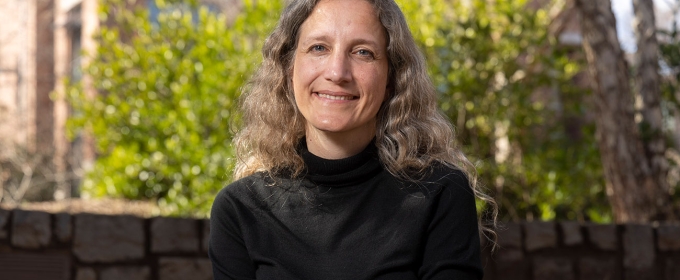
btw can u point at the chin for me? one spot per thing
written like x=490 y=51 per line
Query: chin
x=330 y=129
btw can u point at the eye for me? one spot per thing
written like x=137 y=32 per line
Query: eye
x=317 y=48
x=365 y=53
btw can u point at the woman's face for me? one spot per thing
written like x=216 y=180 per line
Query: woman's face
x=340 y=67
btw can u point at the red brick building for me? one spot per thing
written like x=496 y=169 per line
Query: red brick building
x=40 y=45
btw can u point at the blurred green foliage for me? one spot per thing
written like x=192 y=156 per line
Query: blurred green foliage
x=509 y=88
x=165 y=112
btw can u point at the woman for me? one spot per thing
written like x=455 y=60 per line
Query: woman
x=346 y=170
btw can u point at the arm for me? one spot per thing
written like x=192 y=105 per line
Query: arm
x=451 y=245
x=227 y=250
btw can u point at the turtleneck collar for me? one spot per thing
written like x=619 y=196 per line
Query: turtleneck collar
x=341 y=172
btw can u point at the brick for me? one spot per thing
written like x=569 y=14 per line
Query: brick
x=100 y=238
x=4 y=217
x=127 y=273
x=572 y=233
x=181 y=268
x=510 y=235
x=668 y=237
x=86 y=273
x=488 y=260
x=638 y=247
x=30 y=229
x=206 y=235
x=174 y=235
x=642 y=274
x=540 y=235
x=18 y=265
x=62 y=227
x=511 y=262
x=597 y=269
x=672 y=269
x=603 y=236
x=510 y=255
x=553 y=269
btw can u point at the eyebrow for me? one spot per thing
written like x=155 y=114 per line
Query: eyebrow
x=357 y=41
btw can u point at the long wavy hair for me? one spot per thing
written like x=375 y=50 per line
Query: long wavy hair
x=411 y=133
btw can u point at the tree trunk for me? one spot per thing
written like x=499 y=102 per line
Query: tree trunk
x=635 y=193
x=647 y=82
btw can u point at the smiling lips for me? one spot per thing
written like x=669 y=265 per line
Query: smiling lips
x=336 y=97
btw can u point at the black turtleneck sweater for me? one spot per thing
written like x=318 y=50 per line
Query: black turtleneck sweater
x=346 y=219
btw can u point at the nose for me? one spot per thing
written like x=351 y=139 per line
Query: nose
x=338 y=68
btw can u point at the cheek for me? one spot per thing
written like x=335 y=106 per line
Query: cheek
x=299 y=87
x=379 y=86
x=294 y=72
x=302 y=77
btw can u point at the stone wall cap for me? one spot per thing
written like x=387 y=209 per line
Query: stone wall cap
x=603 y=236
x=571 y=231
x=668 y=237
x=31 y=229
x=509 y=235
x=174 y=235
x=103 y=238
x=540 y=235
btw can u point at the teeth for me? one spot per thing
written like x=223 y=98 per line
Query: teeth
x=334 y=97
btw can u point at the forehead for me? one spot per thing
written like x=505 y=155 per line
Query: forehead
x=343 y=17
x=351 y=4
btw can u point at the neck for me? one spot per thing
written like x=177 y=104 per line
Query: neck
x=337 y=145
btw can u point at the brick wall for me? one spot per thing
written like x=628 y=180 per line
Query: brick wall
x=574 y=251
x=39 y=245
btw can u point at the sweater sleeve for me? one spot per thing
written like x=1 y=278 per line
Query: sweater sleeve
x=227 y=250
x=451 y=245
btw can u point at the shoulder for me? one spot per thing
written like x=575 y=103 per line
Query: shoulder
x=246 y=190
x=241 y=186
x=446 y=179
x=257 y=184
x=258 y=190
x=452 y=238
x=441 y=172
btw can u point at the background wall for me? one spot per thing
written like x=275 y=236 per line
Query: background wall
x=40 y=245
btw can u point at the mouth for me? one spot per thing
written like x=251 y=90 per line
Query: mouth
x=336 y=97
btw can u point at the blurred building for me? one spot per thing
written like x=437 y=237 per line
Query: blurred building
x=41 y=45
